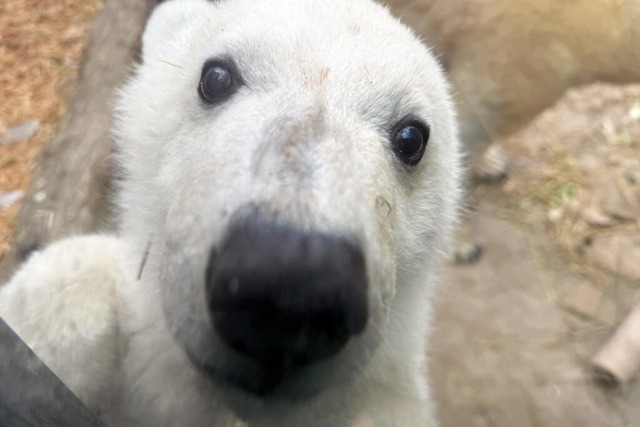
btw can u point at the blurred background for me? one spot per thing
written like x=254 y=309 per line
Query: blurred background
x=41 y=45
x=551 y=115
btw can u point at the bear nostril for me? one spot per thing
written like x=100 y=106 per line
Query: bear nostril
x=285 y=298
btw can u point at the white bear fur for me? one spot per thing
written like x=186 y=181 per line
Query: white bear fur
x=324 y=81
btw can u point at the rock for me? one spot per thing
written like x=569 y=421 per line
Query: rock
x=618 y=135
x=583 y=299
x=594 y=215
x=555 y=214
x=619 y=254
x=623 y=205
x=493 y=165
x=586 y=302
x=9 y=198
x=606 y=313
x=21 y=132
x=634 y=112
x=39 y=197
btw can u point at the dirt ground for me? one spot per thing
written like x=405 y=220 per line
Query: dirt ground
x=511 y=340
x=513 y=337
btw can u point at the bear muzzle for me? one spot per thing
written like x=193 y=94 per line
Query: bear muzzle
x=285 y=298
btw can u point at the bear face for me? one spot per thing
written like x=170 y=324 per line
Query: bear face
x=312 y=143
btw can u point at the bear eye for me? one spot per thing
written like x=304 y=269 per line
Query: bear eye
x=409 y=140
x=218 y=81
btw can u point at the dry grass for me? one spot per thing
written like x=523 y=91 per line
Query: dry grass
x=556 y=185
x=41 y=44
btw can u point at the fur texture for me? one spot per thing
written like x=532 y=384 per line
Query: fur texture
x=306 y=138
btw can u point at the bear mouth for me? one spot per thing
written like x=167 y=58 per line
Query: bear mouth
x=261 y=383
x=276 y=379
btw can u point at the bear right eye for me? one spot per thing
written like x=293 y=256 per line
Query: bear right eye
x=409 y=140
x=218 y=81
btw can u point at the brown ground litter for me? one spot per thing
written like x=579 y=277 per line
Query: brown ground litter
x=41 y=44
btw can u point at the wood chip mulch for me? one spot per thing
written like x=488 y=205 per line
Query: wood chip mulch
x=41 y=44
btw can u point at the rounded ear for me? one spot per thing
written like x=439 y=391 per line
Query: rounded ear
x=168 y=21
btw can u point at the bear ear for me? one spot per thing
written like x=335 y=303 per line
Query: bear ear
x=168 y=21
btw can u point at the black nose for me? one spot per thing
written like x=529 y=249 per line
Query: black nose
x=286 y=298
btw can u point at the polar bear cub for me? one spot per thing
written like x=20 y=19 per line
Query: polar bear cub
x=290 y=181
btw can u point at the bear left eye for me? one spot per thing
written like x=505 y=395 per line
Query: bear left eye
x=218 y=81
x=409 y=140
